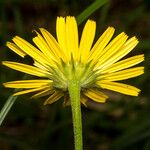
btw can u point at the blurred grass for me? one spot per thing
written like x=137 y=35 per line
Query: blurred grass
x=121 y=124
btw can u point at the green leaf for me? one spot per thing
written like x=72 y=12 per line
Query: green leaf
x=9 y=103
x=90 y=9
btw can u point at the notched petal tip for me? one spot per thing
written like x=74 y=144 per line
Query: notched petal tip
x=15 y=37
x=90 y=21
x=35 y=32
x=111 y=27
x=5 y=84
x=138 y=92
x=5 y=63
x=42 y=29
x=15 y=49
x=60 y=18
x=123 y=34
x=143 y=56
x=70 y=17
x=134 y=39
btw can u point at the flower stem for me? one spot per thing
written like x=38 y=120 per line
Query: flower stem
x=74 y=93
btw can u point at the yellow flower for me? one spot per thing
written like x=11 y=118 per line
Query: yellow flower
x=56 y=62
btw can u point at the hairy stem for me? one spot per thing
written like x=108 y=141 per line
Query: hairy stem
x=74 y=93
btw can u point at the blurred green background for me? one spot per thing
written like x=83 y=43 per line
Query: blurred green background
x=123 y=123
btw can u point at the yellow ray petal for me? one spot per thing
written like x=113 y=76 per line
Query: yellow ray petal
x=54 y=97
x=45 y=92
x=95 y=95
x=26 y=68
x=53 y=45
x=61 y=35
x=42 y=45
x=87 y=38
x=30 y=91
x=101 y=43
x=84 y=100
x=123 y=75
x=124 y=50
x=72 y=37
x=27 y=83
x=112 y=48
x=15 y=49
x=123 y=64
x=40 y=66
x=119 y=87
x=30 y=50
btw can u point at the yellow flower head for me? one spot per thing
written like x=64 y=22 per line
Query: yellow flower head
x=59 y=61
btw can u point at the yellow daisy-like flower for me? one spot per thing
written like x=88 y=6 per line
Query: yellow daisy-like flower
x=59 y=61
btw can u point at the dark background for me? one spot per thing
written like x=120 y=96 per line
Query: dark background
x=123 y=123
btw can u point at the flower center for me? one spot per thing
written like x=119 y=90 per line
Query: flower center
x=74 y=70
